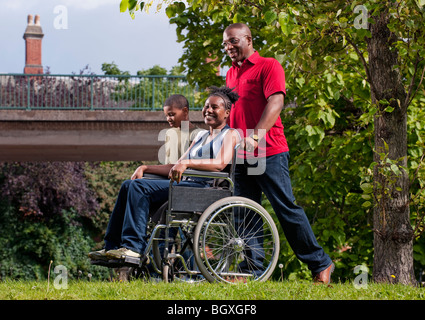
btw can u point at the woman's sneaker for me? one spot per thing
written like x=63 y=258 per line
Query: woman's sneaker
x=121 y=253
x=99 y=255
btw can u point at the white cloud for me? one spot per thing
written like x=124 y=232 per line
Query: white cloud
x=16 y=5
x=76 y=4
x=89 y=4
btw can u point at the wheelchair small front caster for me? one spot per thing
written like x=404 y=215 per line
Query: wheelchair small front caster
x=167 y=272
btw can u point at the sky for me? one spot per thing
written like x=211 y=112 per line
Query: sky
x=87 y=32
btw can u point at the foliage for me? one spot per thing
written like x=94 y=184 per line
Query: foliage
x=112 y=69
x=56 y=211
x=416 y=164
x=43 y=190
x=45 y=215
x=152 y=87
x=28 y=246
x=105 y=179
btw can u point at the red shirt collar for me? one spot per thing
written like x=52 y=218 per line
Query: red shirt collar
x=253 y=58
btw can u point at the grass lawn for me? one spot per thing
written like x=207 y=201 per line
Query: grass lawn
x=140 y=290
x=158 y=300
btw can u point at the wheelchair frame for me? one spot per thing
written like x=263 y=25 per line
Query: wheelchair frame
x=213 y=235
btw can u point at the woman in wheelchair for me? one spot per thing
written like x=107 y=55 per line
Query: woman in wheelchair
x=212 y=150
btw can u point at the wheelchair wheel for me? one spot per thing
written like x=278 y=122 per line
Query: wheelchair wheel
x=236 y=240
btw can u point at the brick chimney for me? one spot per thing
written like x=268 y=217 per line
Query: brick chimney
x=33 y=35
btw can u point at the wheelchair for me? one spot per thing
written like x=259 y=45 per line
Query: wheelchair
x=208 y=234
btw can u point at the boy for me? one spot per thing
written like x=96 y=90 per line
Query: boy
x=182 y=133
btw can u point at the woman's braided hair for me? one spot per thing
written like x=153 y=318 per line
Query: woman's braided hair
x=227 y=94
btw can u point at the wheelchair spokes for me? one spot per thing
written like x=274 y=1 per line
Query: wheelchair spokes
x=236 y=238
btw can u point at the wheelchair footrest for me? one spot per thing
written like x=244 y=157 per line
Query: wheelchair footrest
x=131 y=260
x=127 y=261
x=103 y=263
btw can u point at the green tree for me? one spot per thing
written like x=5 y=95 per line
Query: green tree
x=356 y=70
x=112 y=69
x=154 y=71
x=150 y=87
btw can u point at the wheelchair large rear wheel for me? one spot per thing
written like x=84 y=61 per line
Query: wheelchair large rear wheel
x=236 y=240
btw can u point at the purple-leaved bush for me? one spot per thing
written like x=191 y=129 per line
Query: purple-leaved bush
x=42 y=190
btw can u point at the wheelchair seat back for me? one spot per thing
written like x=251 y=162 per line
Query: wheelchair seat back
x=189 y=199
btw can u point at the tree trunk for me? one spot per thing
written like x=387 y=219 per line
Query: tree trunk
x=393 y=234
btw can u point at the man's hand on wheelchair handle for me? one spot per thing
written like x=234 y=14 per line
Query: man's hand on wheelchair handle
x=248 y=144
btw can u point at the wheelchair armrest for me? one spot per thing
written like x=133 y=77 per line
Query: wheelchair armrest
x=154 y=176
x=206 y=174
x=191 y=173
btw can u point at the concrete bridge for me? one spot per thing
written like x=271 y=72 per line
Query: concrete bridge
x=86 y=117
x=96 y=135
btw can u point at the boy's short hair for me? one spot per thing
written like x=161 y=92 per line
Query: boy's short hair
x=177 y=100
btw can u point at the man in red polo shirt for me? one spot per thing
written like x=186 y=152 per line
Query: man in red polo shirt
x=260 y=83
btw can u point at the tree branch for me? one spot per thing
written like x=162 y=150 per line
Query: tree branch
x=415 y=175
x=365 y=65
x=253 y=4
x=354 y=69
x=419 y=217
x=412 y=81
x=407 y=103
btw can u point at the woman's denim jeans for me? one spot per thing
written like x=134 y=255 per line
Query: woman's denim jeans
x=128 y=222
x=275 y=182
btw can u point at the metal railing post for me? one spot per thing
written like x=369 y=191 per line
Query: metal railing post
x=153 y=94
x=28 y=93
x=91 y=94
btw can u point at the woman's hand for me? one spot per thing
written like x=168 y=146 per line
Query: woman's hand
x=138 y=174
x=177 y=171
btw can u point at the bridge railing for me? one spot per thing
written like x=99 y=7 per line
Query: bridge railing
x=93 y=92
